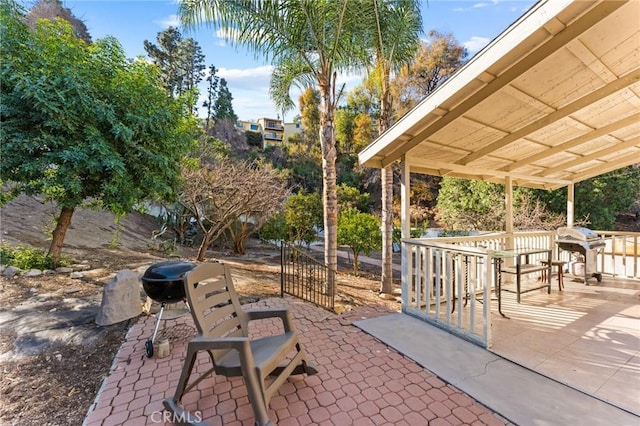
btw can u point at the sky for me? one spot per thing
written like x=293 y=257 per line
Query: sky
x=473 y=23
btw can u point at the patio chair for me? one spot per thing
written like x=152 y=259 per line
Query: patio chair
x=264 y=363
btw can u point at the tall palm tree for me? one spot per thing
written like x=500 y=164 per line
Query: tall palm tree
x=397 y=26
x=308 y=42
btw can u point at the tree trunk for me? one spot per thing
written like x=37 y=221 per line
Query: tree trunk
x=356 y=265
x=202 y=251
x=329 y=194
x=386 y=282
x=62 y=224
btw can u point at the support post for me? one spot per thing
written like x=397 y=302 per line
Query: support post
x=405 y=220
x=570 y=204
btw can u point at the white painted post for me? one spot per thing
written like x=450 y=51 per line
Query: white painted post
x=570 y=204
x=405 y=220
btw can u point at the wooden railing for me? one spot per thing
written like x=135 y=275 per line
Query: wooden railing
x=621 y=254
x=448 y=281
x=449 y=285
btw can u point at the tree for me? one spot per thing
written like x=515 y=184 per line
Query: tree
x=181 y=62
x=309 y=103
x=80 y=122
x=600 y=199
x=437 y=59
x=221 y=193
x=303 y=215
x=52 y=9
x=466 y=204
x=298 y=222
x=360 y=231
x=212 y=94
x=308 y=42
x=223 y=106
x=396 y=27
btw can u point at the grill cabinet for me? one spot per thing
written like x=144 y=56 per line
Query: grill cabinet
x=585 y=242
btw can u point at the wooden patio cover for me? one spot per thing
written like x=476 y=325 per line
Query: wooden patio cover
x=553 y=100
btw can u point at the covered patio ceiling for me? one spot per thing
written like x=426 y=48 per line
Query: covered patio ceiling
x=553 y=100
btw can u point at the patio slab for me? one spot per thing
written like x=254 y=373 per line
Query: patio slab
x=521 y=395
x=361 y=381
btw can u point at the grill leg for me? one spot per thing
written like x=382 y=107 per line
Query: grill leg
x=155 y=329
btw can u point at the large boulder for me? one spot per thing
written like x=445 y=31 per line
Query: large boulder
x=120 y=299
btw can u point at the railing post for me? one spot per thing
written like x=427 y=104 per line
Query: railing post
x=282 y=268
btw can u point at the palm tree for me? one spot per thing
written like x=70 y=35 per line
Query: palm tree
x=308 y=42
x=397 y=25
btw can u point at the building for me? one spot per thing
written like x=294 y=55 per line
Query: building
x=273 y=131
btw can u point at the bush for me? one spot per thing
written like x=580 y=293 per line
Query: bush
x=27 y=257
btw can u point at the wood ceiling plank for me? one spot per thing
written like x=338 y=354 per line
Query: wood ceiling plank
x=601 y=169
x=593 y=156
x=565 y=111
x=558 y=41
x=612 y=127
x=591 y=61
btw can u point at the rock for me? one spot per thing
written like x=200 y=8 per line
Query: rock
x=72 y=290
x=120 y=299
x=64 y=270
x=81 y=266
x=387 y=296
x=33 y=273
x=76 y=275
x=10 y=271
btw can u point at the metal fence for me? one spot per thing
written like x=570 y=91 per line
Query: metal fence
x=304 y=277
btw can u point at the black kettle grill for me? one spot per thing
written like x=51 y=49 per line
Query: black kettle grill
x=164 y=283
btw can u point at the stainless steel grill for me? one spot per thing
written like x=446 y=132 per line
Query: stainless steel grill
x=585 y=242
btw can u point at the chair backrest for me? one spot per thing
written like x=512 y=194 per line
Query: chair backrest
x=214 y=303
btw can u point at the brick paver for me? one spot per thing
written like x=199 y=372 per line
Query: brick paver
x=360 y=380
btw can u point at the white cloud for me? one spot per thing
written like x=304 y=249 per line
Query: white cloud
x=257 y=78
x=169 y=21
x=476 y=43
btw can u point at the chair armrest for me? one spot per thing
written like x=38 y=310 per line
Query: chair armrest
x=201 y=343
x=283 y=314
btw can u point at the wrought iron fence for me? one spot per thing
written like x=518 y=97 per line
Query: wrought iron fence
x=304 y=277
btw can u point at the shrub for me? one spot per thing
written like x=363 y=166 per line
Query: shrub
x=27 y=257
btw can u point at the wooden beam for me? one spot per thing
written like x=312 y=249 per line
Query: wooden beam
x=554 y=43
x=594 y=96
x=480 y=172
x=602 y=169
x=565 y=146
x=593 y=156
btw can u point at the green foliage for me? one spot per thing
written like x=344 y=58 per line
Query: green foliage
x=27 y=257
x=599 y=199
x=351 y=198
x=223 y=106
x=180 y=60
x=81 y=121
x=470 y=204
x=275 y=229
x=303 y=215
x=254 y=139
x=360 y=231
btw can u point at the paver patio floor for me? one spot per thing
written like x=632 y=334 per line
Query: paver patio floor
x=361 y=381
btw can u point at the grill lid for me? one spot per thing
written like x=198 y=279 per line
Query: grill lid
x=577 y=233
x=167 y=271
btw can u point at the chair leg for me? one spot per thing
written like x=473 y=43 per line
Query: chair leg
x=255 y=391
x=186 y=373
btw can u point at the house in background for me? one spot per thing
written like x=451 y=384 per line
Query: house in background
x=273 y=131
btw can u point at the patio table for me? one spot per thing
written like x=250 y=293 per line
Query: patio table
x=520 y=269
